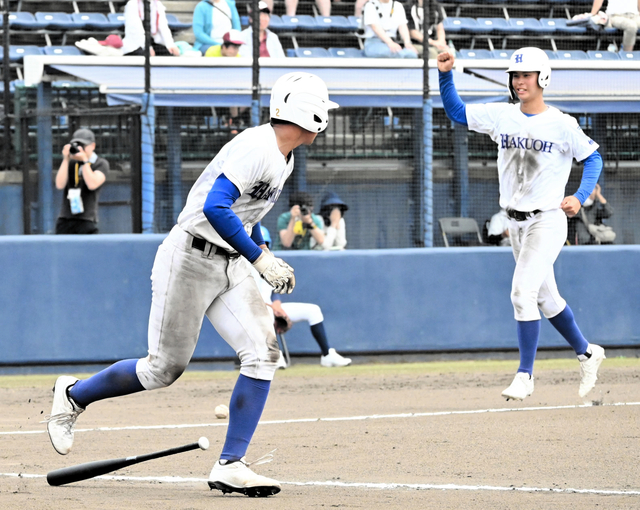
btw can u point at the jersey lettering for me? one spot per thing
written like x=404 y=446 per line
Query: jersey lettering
x=262 y=191
x=518 y=142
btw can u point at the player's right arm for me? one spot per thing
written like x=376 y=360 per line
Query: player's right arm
x=217 y=209
x=62 y=176
x=454 y=107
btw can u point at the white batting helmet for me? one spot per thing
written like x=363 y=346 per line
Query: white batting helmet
x=530 y=60
x=302 y=99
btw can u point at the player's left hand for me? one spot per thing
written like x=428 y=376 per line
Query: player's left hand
x=571 y=206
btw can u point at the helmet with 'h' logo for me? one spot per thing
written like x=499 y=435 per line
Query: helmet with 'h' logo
x=529 y=60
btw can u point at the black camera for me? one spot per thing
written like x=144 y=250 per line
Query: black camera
x=75 y=147
x=304 y=210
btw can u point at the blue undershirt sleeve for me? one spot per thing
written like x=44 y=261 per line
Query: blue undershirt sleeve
x=590 y=176
x=256 y=235
x=217 y=209
x=454 y=106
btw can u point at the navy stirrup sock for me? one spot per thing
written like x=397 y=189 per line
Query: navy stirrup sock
x=528 y=335
x=245 y=409
x=117 y=380
x=566 y=325
x=318 y=332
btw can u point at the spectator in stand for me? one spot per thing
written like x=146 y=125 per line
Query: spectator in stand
x=230 y=47
x=439 y=43
x=291 y=6
x=623 y=15
x=269 y=42
x=162 y=44
x=332 y=210
x=594 y=209
x=383 y=21
x=211 y=20
x=299 y=228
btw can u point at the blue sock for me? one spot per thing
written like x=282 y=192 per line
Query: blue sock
x=566 y=325
x=247 y=402
x=318 y=332
x=117 y=380
x=528 y=335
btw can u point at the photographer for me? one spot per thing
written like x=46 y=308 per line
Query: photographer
x=300 y=229
x=81 y=174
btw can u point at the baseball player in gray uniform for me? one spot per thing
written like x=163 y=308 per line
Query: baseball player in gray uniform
x=203 y=268
x=536 y=146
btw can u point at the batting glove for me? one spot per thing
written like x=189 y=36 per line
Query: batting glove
x=276 y=272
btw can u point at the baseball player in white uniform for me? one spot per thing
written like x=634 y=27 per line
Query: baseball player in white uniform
x=536 y=146
x=203 y=268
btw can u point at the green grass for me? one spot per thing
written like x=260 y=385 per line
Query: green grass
x=369 y=369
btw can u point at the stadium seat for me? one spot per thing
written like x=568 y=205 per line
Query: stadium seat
x=602 y=55
x=346 y=52
x=23 y=20
x=275 y=24
x=467 y=25
x=175 y=24
x=291 y=53
x=17 y=53
x=551 y=54
x=571 y=55
x=354 y=22
x=502 y=54
x=62 y=50
x=475 y=54
x=92 y=21
x=312 y=53
x=531 y=25
x=560 y=25
x=57 y=21
x=333 y=23
x=500 y=25
x=117 y=19
x=304 y=23
x=244 y=21
x=630 y=55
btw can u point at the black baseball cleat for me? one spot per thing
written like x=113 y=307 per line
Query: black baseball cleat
x=237 y=477
x=252 y=492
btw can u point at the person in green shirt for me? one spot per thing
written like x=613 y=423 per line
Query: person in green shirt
x=299 y=229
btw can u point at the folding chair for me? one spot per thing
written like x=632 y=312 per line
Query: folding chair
x=284 y=348
x=460 y=227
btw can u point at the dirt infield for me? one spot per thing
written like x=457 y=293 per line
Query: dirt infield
x=402 y=436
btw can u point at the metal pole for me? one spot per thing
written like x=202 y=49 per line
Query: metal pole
x=146 y=23
x=255 y=67
x=427 y=134
x=7 y=86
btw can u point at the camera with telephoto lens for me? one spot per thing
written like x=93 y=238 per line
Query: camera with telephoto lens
x=75 y=147
x=304 y=210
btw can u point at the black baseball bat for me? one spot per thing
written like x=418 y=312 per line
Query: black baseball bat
x=101 y=467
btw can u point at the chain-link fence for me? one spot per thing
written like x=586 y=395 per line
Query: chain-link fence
x=370 y=156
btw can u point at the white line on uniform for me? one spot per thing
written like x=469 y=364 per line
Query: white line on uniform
x=363 y=485
x=342 y=418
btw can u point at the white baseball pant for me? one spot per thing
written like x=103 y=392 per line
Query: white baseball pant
x=188 y=284
x=536 y=244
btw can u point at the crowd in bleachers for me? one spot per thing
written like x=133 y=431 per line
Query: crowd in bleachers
x=318 y=28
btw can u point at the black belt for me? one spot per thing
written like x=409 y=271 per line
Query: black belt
x=200 y=244
x=521 y=215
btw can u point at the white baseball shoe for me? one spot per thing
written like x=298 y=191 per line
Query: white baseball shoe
x=64 y=413
x=520 y=388
x=589 y=364
x=333 y=359
x=237 y=477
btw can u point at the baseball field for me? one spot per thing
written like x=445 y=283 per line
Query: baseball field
x=417 y=435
